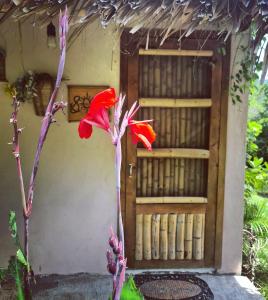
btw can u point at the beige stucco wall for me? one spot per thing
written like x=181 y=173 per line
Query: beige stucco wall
x=74 y=202
x=235 y=169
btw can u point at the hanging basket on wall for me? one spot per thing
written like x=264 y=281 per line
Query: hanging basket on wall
x=44 y=89
x=36 y=88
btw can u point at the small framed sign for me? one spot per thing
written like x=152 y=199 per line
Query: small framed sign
x=79 y=98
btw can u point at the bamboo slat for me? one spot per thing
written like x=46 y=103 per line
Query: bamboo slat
x=155 y=177
x=188 y=243
x=161 y=177
x=180 y=236
x=155 y=236
x=175 y=102
x=172 y=222
x=159 y=200
x=139 y=237
x=174 y=153
x=147 y=231
x=164 y=236
x=197 y=236
x=138 y=184
x=150 y=176
x=144 y=177
x=203 y=235
x=174 y=52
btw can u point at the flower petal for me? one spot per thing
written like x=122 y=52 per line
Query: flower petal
x=105 y=99
x=142 y=132
x=84 y=129
x=145 y=142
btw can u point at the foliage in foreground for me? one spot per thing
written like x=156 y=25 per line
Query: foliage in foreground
x=17 y=264
x=130 y=291
x=255 y=246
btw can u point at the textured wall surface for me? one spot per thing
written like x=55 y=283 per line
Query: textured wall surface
x=74 y=202
x=235 y=171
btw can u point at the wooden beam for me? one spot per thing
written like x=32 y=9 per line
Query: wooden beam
x=174 y=153
x=159 y=200
x=174 y=52
x=167 y=208
x=173 y=103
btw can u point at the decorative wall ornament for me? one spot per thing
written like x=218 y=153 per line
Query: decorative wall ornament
x=33 y=87
x=79 y=98
x=44 y=88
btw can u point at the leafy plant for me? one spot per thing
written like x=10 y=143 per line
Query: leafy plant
x=17 y=264
x=255 y=238
x=130 y=291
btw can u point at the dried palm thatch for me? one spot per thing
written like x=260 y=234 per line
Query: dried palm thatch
x=169 y=15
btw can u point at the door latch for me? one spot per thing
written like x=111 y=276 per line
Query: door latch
x=131 y=167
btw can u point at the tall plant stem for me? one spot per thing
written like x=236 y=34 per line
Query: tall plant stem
x=118 y=162
x=16 y=150
x=27 y=275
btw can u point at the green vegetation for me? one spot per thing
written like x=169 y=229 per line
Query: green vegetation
x=255 y=248
x=17 y=264
x=130 y=291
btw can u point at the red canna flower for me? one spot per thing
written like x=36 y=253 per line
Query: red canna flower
x=97 y=114
x=142 y=132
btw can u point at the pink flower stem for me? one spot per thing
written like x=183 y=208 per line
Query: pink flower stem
x=118 y=162
x=16 y=149
x=52 y=108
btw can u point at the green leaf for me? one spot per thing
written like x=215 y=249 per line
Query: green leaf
x=130 y=291
x=20 y=294
x=21 y=258
x=12 y=224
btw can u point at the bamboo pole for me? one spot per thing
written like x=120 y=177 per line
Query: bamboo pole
x=163 y=66
x=155 y=177
x=161 y=176
x=150 y=76
x=163 y=200
x=175 y=52
x=203 y=235
x=139 y=237
x=172 y=222
x=168 y=144
x=197 y=236
x=176 y=177
x=157 y=77
x=145 y=76
x=181 y=177
x=150 y=175
x=157 y=126
x=175 y=102
x=155 y=236
x=188 y=243
x=164 y=237
x=174 y=153
x=144 y=177
x=139 y=177
x=180 y=236
x=147 y=231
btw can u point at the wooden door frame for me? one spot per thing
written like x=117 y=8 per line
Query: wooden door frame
x=128 y=76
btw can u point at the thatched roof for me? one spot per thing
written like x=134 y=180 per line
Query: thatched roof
x=170 y=15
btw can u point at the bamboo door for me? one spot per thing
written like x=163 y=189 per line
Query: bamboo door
x=171 y=192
